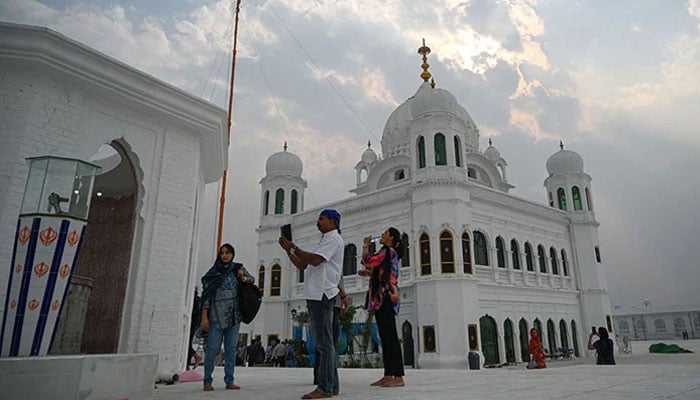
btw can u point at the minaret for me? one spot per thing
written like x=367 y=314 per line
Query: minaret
x=569 y=189
x=282 y=187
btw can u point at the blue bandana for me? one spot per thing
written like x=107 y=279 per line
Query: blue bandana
x=333 y=215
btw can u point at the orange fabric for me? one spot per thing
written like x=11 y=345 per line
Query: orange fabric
x=536 y=349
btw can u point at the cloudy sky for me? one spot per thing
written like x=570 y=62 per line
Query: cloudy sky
x=617 y=81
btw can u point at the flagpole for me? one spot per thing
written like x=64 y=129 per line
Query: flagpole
x=222 y=199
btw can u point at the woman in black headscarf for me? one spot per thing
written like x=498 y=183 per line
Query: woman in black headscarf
x=221 y=315
x=603 y=347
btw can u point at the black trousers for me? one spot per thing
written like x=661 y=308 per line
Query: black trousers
x=391 y=348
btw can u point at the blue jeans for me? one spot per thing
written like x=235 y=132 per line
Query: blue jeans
x=321 y=316
x=230 y=338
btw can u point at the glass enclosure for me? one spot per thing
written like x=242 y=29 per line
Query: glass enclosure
x=59 y=186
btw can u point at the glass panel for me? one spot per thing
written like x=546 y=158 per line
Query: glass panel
x=294 y=201
x=440 y=152
x=279 y=201
x=515 y=254
x=447 y=263
x=555 y=264
x=458 y=152
x=480 y=252
x=425 y=267
x=561 y=196
x=528 y=257
x=266 y=206
x=576 y=195
x=466 y=254
x=500 y=253
x=421 y=152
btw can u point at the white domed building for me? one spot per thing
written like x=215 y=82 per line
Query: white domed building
x=483 y=266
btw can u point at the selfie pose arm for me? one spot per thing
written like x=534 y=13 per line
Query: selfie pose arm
x=300 y=258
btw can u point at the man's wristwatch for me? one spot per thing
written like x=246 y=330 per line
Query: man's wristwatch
x=293 y=250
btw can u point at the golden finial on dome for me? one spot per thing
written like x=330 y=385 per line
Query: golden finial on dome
x=285 y=145
x=561 y=144
x=424 y=51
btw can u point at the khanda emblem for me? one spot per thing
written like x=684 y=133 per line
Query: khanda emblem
x=18 y=268
x=33 y=304
x=41 y=269
x=48 y=236
x=23 y=236
x=64 y=271
x=73 y=238
x=13 y=304
x=55 y=305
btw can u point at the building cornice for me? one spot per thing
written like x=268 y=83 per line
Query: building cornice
x=48 y=49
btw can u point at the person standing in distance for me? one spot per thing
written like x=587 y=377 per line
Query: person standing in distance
x=322 y=267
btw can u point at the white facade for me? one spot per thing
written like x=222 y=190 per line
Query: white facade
x=59 y=97
x=433 y=182
x=658 y=325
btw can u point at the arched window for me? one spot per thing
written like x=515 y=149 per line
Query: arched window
x=564 y=263
x=660 y=325
x=551 y=199
x=440 y=150
x=261 y=278
x=421 y=152
x=576 y=195
x=350 y=260
x=574 y=337
x=541 y=259
x=563 y=335
x=466 y=254
x=447 y=254
x=551 y=336
x=481 y=254
x=425 y=267
x=279 y=201
x=406 y=256
x=458 y=152
x=500 y=253
x=275 y=281
x=529 y=261
x=515 y=254
x=561 y=196
x=398 y=175
x=266 y=203
x=294 y=201
x=471 y=173
x=555 y=263
x=588 y=200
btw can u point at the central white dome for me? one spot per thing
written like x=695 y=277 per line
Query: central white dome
x=565 y=161
x=426 y=100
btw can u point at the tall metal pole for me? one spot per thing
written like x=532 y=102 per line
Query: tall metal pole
x=222 y=199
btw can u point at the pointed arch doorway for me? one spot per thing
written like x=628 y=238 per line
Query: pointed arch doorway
x=489 y=340
x=106 y=253
x=407 y=336
x=509 y=343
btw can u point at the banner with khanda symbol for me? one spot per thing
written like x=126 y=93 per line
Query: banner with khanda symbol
x=45 y=251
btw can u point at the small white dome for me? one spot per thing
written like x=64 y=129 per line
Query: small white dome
x=369 y=156
x=492 y=153
x=284 y=163
x=565 y=162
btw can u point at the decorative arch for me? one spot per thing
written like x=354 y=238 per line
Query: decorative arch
x=440 y=149
x=266 y=202
x=489 y=340
x=295 y=201
x=350 y=260
x=588 y=200
x=541 y=258
x=659 y=325
x=261 y=278
x=574 y=338
x=554 y=260
x=563 y=334
x=524 y=340
x=275 y=281
x=424 y=245
x=481 y=253
x=551 y=336
x=420 y=151
x=408 y=346
x=500 y=253
x=458 y=151
x=564 y=263
x=447 y=255
x=279 y=201
x=561 y=197
x=576 y=196
x=406 y=256
x=515 y=254
x=509 y=342
x=466 y=254
x=529 y=259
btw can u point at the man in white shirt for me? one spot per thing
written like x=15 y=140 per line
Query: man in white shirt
x=322 y=268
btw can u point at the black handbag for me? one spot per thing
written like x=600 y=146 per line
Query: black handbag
x=249 y=300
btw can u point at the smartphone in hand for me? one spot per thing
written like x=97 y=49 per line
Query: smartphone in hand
x=286 y=231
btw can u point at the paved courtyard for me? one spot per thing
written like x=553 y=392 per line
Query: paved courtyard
x=637 y=376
